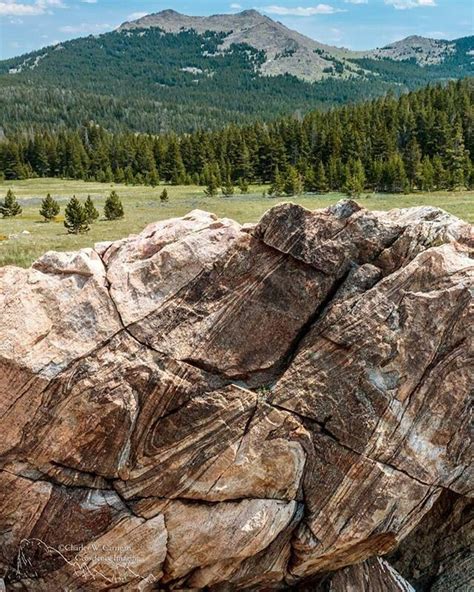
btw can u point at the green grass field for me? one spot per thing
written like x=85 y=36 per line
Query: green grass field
x=142 y=206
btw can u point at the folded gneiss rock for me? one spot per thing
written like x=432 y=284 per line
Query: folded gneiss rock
x=210 y=406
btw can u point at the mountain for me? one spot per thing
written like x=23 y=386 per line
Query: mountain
x=422 y=50
x=171 y=72
x=286 y=51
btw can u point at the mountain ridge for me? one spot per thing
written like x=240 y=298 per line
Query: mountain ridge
x=171 y=72
x=287 y=51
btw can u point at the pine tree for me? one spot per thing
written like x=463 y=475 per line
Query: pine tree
x=293 y=184
x=353 y=187
x=355 y=178
x=164 y=196
x=49 y=208
x=212 y=186
x=321 y=182
x=278 y=186
x=228 y=187
x=91 y=212
x=456 y=159
x=113 y=209
x=440 y=177
x=75 y=217
x=12 y=166
x=310 y=179
x=243 y=185
x=427 y=174
x=434 y=123
x=394 y=178
x=10 y=206
x=335 y=173
x=152 y=178
x=413 y=163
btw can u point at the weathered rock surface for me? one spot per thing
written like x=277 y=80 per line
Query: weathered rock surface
x=373 y=575
x=209 y=406
x=438 y=555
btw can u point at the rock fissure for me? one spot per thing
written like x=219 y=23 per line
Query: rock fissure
x=326 y=432
x=247 y=410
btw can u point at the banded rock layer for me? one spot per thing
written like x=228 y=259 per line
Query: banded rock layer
x=210 y=406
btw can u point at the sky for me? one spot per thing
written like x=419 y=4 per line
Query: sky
x=26 y=25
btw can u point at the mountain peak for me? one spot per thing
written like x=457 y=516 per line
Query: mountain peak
x=250 y=12
x=286 y=51
x=168 y=12
x=423 y=50
x=172 y=21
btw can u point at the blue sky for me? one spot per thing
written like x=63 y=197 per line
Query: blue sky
x=358 y=24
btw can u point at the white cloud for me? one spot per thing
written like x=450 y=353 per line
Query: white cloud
x=300 y=11
x=89 y=1
x=236 y=6
x=356 y=1
x=87 y=28
x=13 y=8
x=406 y=4
x=136 y=15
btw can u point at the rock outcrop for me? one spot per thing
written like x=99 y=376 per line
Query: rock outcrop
x=210 y=406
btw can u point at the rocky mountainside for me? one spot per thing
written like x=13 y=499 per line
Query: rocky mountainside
x=168 y=71
x=286 y=51
x=209 y=406
x=423 y=50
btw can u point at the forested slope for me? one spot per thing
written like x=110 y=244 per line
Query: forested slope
x=422 y=140
x=152 y=82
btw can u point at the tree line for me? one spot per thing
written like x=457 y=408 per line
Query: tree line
x=423 y=141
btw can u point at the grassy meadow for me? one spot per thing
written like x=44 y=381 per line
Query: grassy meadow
x=142 y=206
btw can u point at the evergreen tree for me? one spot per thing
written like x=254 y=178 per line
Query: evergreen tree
x=413 y=163
x=243 y=185
x=212 y=186
x=75 y=217
x=164 y=196
x=11 y=162
x=152 y=178
x=394 y=178
x=440 y=177
x=293 y=184
x=427 y=174
x=113 y=209
x=355 y=178
x=335 y=173
x=309 y=179
x=278 y=185
x=91 y=212
x=456 y=159
x=321 y=182
x=10 y=207
x=228 y=187
x=49 y=208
